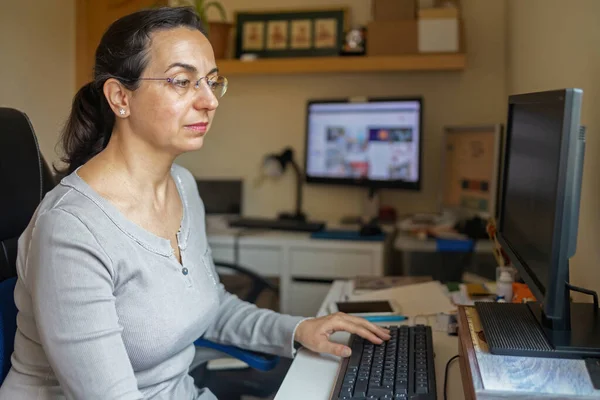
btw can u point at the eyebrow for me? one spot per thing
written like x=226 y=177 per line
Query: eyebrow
x=185 y=66
x=190 y=68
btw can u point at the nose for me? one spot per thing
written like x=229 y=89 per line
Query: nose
x=204 y=98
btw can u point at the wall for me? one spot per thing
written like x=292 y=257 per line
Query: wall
x=263 y=114
x=37 y=64
x=554 y=44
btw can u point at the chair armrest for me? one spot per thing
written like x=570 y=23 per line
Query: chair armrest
x=247 y=272
x=260 y=361
x=259 y=284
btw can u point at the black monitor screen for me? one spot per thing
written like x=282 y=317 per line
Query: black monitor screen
x=221 y=196
x=532 y=155
x=365 y=142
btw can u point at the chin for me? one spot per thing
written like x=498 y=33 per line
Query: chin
x=192 y=144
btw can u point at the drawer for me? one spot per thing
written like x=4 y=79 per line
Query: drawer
x=331 y=264
x=264 y=260
x=306 y=297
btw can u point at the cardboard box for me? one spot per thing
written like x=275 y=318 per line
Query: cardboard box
x=438 y=35
x=388 y=10
x=438 y=12
x=387 y=38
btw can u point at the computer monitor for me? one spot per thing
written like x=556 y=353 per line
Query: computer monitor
x=367 y=142
x=221 y=196
x=537 y=227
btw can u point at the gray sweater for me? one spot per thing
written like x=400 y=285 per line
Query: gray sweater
x=106 y=310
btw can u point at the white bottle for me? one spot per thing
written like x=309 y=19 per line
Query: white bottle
x=504 y=286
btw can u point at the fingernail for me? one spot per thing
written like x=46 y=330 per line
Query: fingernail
x=346 y=352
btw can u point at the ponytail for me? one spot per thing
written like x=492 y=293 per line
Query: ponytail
x=88 y=128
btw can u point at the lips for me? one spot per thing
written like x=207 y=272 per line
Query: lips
x=199 y=127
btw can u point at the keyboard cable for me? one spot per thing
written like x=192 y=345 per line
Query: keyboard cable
x=446 y=376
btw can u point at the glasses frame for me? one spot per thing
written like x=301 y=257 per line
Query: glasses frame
x=196 y=84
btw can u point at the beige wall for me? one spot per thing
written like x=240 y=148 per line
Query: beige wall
x=263 y=114
x=554 y=44
x=37 y=64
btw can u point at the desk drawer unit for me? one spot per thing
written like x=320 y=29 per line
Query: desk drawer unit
x=264 y=260
x=306 y=296
x=332 y=264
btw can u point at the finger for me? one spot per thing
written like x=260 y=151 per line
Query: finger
x=356 y=328
x=334 y=348
x=381 y=332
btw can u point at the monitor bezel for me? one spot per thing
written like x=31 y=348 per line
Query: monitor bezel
x=552 y=293
x=378 y=184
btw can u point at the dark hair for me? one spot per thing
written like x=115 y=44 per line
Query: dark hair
x=122 y=54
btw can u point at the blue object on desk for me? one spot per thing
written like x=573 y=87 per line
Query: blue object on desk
x=345 y=234
x=385 y=318
x=454 y=245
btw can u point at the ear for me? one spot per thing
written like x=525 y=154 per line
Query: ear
x=117 y=96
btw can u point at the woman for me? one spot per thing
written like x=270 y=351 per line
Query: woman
x=116 y=279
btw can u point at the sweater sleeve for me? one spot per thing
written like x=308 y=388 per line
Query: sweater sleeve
x=70 y=280
x=244 y=325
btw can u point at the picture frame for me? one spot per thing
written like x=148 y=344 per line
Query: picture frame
x=290 y=33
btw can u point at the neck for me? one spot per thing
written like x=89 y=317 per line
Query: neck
x=137 y=164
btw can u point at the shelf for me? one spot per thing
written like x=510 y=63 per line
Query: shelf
x=311 y=65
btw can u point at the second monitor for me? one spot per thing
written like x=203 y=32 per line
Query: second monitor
x=368 y=142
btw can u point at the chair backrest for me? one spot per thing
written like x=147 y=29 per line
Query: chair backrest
x=24 y=180
x=8 y=324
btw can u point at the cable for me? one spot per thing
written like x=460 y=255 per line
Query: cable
x=585 y=291
x=446 y=376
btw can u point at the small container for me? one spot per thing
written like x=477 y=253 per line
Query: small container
x=504 y=286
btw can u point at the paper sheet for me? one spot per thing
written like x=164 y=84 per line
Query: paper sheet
x=418 y=299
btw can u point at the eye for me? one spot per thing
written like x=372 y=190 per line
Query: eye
x=212 y=81
x=181 y=83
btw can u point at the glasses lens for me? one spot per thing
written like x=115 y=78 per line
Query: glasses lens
x=218 y=85
x=181 y=85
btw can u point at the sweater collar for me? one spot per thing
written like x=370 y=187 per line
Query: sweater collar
x=145 y=238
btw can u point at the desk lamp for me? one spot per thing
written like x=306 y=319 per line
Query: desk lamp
x=274 y=166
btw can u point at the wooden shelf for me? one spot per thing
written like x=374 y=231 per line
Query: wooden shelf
x=311 y=65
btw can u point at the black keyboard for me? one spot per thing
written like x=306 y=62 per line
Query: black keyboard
x=277 y=224
x=400 y=368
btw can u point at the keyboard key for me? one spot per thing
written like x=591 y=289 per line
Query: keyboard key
x=379 y=391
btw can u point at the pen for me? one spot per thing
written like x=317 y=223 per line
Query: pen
x=385 y=318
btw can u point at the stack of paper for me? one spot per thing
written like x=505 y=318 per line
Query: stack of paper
x=420 y=299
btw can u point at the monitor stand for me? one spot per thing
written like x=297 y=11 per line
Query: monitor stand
x=370 y=211
x=521 y=329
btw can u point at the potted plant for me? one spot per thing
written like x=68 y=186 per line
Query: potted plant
x=218 y=32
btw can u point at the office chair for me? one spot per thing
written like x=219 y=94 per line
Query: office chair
x=232 y=384
x=24 y=180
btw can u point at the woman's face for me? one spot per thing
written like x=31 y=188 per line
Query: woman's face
x=175 y=116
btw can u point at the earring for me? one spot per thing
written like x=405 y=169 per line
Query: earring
x=122 y=111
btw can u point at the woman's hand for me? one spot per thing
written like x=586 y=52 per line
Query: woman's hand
x=314 y=333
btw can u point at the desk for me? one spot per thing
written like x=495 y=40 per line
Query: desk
x=312 y=376
x=491 y=377
x=408 y=245
x=305 y=267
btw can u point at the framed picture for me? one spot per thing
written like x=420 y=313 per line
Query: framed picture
x=303 y=33
x=470 y=169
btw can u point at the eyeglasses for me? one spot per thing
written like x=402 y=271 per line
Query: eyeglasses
x=216 y=83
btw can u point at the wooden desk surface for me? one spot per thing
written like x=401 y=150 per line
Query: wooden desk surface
x=490 y=377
